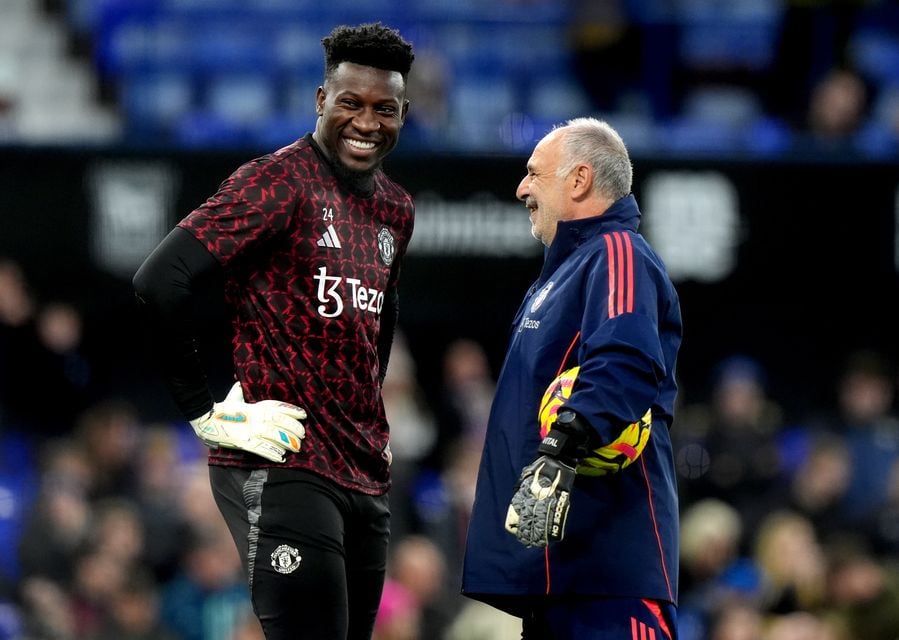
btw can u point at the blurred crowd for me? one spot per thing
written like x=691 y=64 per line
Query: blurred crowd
x=761 y=77
x=789 y=530
x=108 y=530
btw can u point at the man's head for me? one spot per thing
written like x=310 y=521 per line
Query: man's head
x=362 y=103
x=576 y=171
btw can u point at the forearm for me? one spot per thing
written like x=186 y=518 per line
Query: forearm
x=389 y=317
x=165 y=287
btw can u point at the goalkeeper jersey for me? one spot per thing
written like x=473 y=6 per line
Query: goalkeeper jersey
x=308 y=270
x=603 y=301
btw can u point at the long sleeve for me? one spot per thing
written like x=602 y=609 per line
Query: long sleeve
x=389 y=318
x=620 y=353
x=166 y=285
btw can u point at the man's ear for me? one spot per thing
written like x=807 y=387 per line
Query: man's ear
x=404 y=111
x=320 y=100
x=582 y=181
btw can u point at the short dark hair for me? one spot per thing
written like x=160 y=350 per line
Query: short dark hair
x=372 y=45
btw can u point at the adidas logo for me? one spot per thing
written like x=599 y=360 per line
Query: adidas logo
x=329 y=239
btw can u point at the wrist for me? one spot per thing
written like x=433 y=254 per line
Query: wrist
x=569 y=438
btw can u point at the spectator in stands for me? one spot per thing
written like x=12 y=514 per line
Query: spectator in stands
x=65 y=366
x=97 y=577
x=39 y=337
x=399 y=615
x=160 y=472
x=117 y=531
x=712 y=573
x=862 y=592
x=814 y=36
x=208 y=597
x=458 y=480
x=740 y=439
x=837 y=107
x=606 y=54
x=133 y=612
x=418 y=566
x=884 y=528
x=17 y=340
x=798 y=626
x=466 y=395
x=792 y=563
x=58 y=524
x=866 y=392
x=736 y=621
x=50 y=342
x=428 y=89
x=109 y=435
x=413 y=433
x=47 y=610
x=818 y=487
x=17 y=306
x=196 y=505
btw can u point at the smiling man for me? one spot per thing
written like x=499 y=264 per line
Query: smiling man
x=309 y=241
x=574 y=526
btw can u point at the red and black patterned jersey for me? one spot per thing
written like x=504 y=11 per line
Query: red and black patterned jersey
x=307 y=268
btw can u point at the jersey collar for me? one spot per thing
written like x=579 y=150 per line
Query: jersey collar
x=624 y=214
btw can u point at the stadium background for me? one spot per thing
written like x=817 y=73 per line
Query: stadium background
x=765 y=141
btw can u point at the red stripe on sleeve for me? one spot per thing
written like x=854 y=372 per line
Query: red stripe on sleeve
x=621 y=272
x=629 y=249
x=612 y=280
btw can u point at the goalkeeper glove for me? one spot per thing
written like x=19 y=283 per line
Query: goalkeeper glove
x=539 y=508
x=269 y=428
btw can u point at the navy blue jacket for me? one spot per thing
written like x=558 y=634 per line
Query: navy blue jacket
x=603 y=301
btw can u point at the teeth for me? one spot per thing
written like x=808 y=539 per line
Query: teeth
x=359 y=144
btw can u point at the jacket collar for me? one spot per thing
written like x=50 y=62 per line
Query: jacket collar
x=624 y=214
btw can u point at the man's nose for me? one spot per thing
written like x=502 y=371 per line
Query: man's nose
x=366 y=121
x=522 y=191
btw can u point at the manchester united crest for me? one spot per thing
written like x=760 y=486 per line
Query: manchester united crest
x=386 y=246
x=541 y=296
x=285 y=559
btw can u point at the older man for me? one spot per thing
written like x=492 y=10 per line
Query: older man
x=577 y=533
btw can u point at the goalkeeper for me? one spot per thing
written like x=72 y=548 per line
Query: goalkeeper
x=308 y=241
x=578 y=542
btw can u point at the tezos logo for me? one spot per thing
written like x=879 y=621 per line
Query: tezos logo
x=286 y=559
x=386 y=246
x=330 y=295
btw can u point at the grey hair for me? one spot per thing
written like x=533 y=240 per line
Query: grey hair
x=594 y=142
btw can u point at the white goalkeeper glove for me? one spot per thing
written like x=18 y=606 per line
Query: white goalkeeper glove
x=269 y=428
